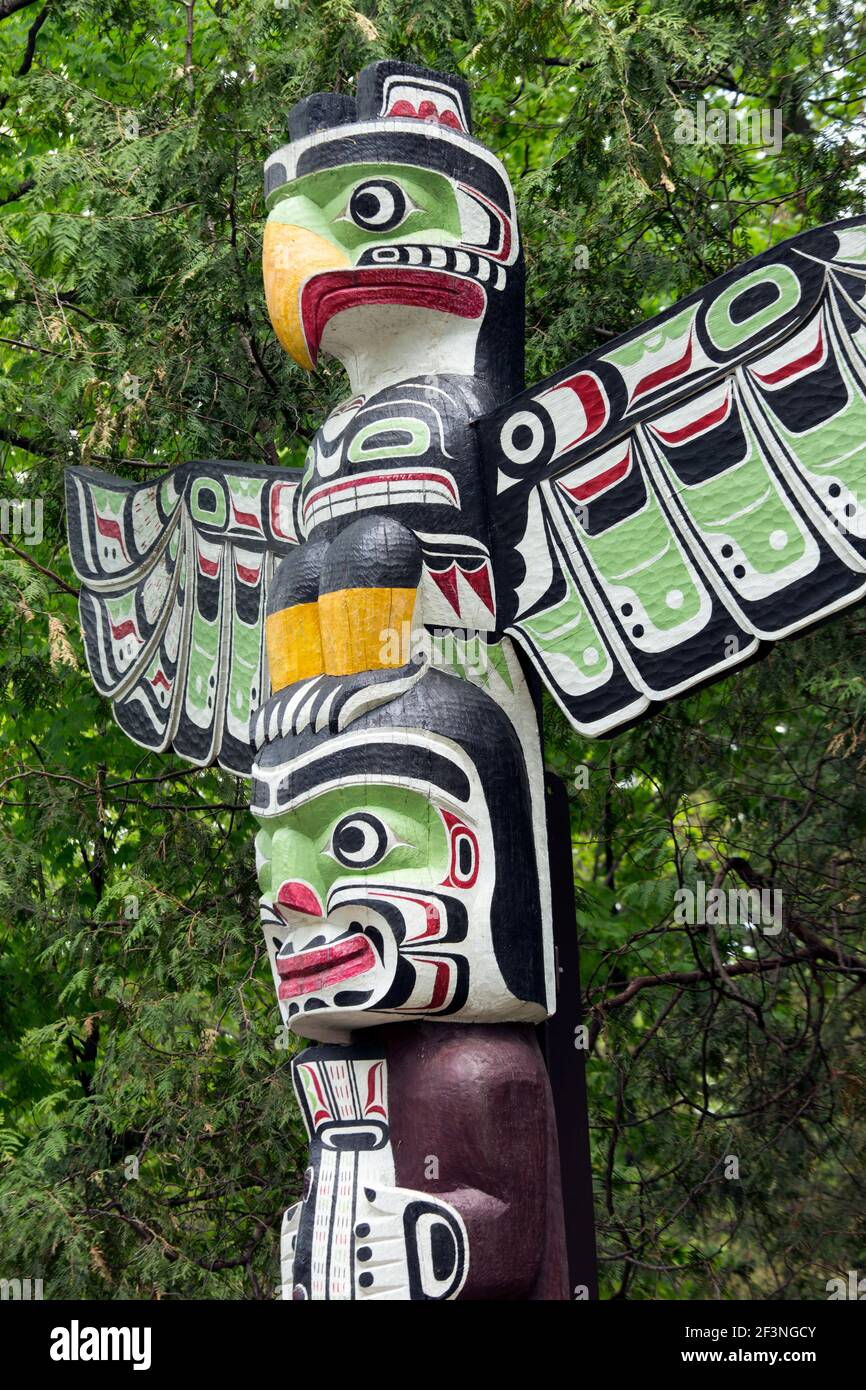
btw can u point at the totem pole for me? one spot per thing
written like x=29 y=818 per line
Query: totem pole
x=362 y=642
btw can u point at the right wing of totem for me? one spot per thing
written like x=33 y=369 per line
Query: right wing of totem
x=173 y=576
x=693 y=490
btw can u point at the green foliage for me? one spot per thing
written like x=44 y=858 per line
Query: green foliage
x=148 y=1138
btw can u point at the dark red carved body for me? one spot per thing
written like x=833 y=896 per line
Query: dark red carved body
x=476 y=1100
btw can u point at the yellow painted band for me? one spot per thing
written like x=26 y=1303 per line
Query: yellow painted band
x=365 y=629
x=294 y=644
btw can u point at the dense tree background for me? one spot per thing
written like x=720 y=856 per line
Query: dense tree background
x=148 y=1140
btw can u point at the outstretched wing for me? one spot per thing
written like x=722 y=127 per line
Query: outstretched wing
x=694 y=489
x=173 y=579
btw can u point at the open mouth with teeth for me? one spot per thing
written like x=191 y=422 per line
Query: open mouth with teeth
x=384 y=488
x=318 y=967
x=330 y=292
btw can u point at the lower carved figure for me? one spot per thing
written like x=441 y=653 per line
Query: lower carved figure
x=404 y=920
x=434 y=1170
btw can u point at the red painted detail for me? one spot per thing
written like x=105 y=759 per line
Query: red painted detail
x=446 y=582
x=124 y=629
x=593 y=401
x=658 y=378
x=160 y=679
x=296 y=896
x=504 y=222
x=208 y=567
x=699 y=426
x=799 y=364
x=479 y=581
x=247 y=519
x=371 y=479
x=458 y=830
x=582 y=492
x=374 y=1091
x=426 y=111
x=332 y=291
x=324 y=1112
x=308 y=971
x=433 y=920
x=275 y=508
x=106 y=527
x=440 y=984
x=247 y=573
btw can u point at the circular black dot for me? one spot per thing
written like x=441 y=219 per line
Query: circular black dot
x=637 y=630
x=834 y=490
x=362 y=1230
x=727 y=551
x=522 y=437
x=352 y=839
x=366 y=205
x=739 y=571
x=365 y=1279
x=627 y=610
x=364 y=1253
x=370 y=1194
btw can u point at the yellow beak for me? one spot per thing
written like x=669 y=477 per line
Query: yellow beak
x=290 y=255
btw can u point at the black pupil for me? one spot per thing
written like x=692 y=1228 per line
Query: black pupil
x=464 y=856
x=352 y=839
x=522 y=437
x=366 y=206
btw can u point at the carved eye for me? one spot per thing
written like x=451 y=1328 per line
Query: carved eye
x=379 y=205
x=359 y=841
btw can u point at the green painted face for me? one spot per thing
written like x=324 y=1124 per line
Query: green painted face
x=363 y=205
x=354 y=832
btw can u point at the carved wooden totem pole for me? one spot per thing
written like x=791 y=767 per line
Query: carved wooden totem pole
x=358 y=641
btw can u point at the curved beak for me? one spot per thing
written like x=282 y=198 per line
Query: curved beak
x=291 y=255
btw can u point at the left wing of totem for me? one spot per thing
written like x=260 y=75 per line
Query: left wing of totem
x=696 y=489
x=174 y=576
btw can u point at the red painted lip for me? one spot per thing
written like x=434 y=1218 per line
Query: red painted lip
x=326 y=965
x=331 y=291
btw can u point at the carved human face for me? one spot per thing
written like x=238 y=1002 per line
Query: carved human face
x=377 y=866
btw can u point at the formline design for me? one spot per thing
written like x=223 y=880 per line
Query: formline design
x=642 y=522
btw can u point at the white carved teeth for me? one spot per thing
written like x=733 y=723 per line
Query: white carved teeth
x=380 y=490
